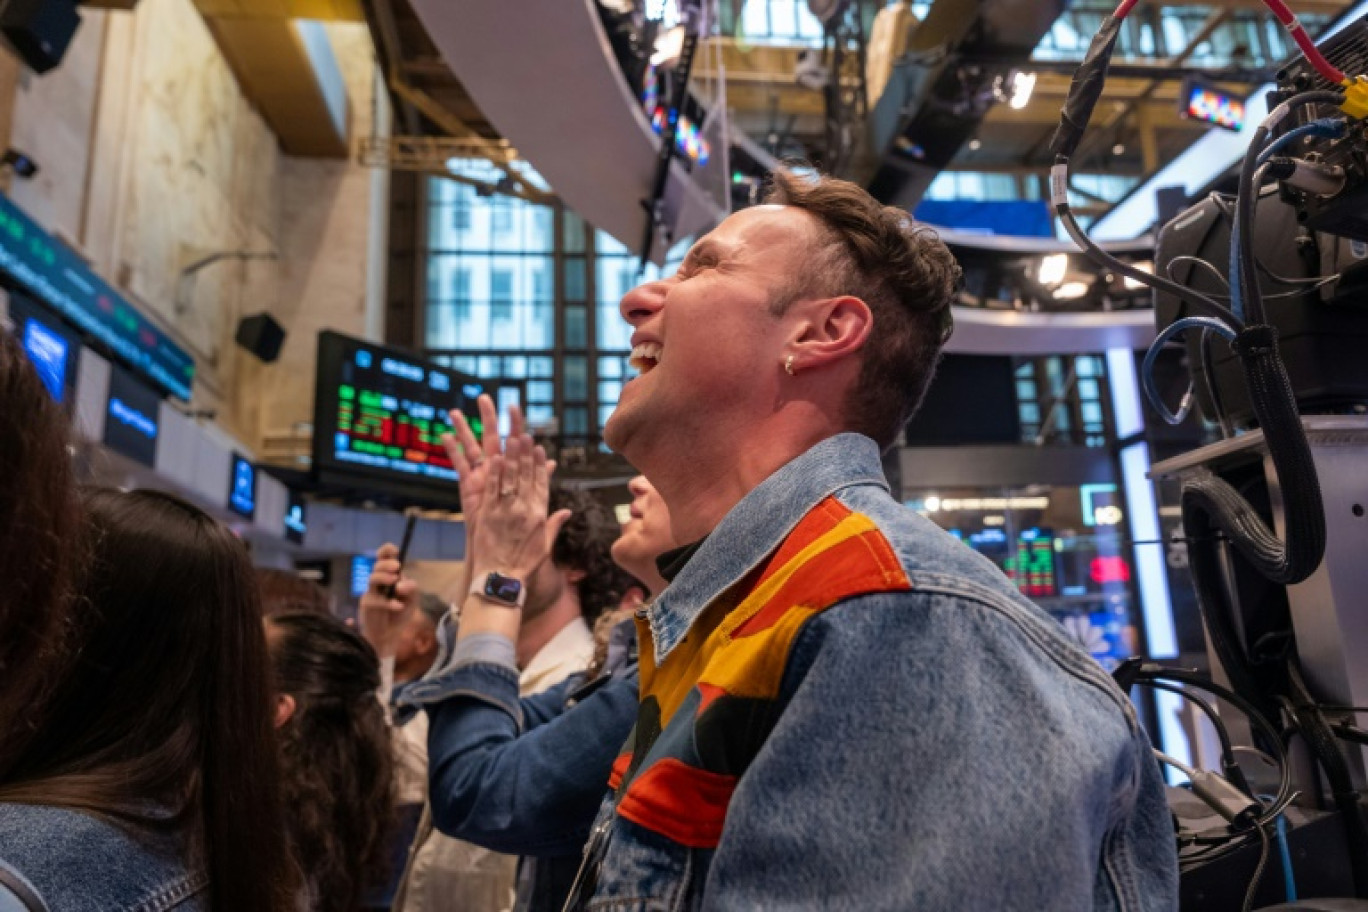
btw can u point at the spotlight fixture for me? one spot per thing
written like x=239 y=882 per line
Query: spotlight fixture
x=975 y=145
x=1119 y=149
x=1053 y=268
x=1023 y=84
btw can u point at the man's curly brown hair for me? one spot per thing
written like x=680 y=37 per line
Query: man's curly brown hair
x=901 y=269
x=585 y=543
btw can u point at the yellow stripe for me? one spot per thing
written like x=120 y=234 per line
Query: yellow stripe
x=752 y=666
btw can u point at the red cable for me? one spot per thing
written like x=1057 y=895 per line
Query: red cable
x=1313 y=54
x=1289 y=20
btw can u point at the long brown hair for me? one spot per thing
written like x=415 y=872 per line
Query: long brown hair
x=39 y=547
x=169 y=703
x=335 y=756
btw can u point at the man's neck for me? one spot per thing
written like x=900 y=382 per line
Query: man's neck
x=413 y=669
x=701 y=484
x=537 y=631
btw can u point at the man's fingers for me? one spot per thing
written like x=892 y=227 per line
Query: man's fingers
x=541 y=472
x=387 y=551
x=495 y=477
x=470 y=447
x=554 y=523
x=526 y=482
x=517 y=425
x=489 y=416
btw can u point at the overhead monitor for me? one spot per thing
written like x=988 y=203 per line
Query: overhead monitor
x=33 y=260
x=242 y=487
x=1204 y=101
x=296 y=520
x=379 y=416
x=50 y=344
x=131 y=417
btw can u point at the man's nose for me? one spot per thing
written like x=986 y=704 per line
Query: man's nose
x=639 y=304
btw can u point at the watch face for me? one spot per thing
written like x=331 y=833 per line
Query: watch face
x=503 y=588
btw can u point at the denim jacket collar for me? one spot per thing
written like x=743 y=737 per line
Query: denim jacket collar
x=753 y=528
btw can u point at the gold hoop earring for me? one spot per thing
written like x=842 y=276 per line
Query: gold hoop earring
x=788 y=367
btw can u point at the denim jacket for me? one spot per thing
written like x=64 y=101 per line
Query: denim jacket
x=870 y=716
x=77 y=862
x=524 y=776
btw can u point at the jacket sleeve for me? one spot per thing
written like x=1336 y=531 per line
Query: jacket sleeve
x=522 y=777
x=925 y=756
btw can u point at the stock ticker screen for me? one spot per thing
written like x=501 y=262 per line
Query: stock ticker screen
x=382 y=412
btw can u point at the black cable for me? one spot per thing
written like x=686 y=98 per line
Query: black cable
x=1230 y=766
x=1258 y=870
x=1159 y=283
x=1248 y=195
x=1149 y=671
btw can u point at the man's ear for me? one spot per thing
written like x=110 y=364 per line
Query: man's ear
x=573 y=576
x=827 y=331
x=285 y=708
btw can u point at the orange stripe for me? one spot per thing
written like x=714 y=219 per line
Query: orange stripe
x=820 y=520
x=679 y=802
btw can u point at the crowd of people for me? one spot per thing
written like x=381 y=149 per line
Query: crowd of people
x=773 y=687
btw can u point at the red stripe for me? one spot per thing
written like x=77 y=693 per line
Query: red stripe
x=679 y=802
x=856 y=566
x=620 y=766
x=707 y=693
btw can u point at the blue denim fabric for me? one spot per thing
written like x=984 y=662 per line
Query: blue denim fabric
x=80 y=863
x=943 y=748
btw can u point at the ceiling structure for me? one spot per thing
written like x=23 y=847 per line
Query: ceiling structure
x=772 y=96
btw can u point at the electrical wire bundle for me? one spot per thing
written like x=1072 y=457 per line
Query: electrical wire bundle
x=1249 y=816
x=1213 y=511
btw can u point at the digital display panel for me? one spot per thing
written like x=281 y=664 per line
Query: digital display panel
x=51 y=346
x=131 y=417
x=242 y=487
x=34 y=260
x=1032 y=566
x=361 y=567
x=1203 y=101
x=381 y=412
x=296 y=521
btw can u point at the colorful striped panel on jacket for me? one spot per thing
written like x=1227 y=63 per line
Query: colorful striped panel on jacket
x=707 y=709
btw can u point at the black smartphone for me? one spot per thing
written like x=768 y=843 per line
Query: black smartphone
x=403 y=548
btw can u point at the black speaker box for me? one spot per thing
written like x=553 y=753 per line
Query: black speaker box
x=39 y=30
x=261 y=335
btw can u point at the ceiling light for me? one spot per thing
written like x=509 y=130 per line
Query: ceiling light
x=1053 y=268
x=668 y=46
x=1131 y=284
x=1119 y=149
x=975 y=145
x=1023 y=84
x=931 y=504
x=1071 y=291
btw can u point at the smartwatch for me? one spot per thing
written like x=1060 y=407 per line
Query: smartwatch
x=501 y=590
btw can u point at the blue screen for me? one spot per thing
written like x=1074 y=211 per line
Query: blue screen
x=49 y=353
x=242 y=494
x=360 y=574
x=296 y=523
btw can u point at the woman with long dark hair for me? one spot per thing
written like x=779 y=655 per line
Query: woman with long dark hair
x=152 y=778
x=335 y=756
x=39 y=521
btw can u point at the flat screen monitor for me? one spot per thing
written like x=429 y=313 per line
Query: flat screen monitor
x=50 y=344
x=1212 y=105
x=132 y=417
x=379 y=416
x=296 y=518
x=242 y=484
